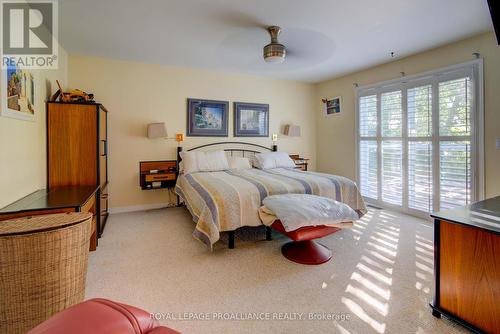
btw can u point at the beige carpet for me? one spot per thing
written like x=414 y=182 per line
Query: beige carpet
x=380 y=279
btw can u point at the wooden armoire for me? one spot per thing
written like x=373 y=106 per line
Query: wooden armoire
x=77 y=150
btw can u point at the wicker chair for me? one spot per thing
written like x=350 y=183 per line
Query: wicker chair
x=43 y=267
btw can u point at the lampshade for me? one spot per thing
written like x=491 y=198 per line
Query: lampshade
x=157 y=130
x=292 y=130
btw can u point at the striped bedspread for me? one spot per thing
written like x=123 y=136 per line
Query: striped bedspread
x=226 y=200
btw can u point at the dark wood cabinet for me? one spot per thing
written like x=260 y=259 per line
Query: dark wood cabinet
x=77 y=150
x=467 y=265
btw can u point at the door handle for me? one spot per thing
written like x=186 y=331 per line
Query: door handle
x=105 y=147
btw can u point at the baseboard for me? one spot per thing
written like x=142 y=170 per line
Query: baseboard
x=134 y=208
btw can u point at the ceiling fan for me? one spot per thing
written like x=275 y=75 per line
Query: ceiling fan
x=274 y=52
x=255 y=46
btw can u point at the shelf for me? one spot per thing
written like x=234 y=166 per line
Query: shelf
x=165 y=173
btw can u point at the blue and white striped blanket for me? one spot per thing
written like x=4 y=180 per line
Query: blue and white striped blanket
x=226 y=200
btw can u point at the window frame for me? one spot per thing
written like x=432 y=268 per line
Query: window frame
x=474 y=69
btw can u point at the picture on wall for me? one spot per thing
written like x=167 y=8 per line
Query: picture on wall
x=251 y=119
x=18 y=94
x=207 y=118
x=333 y=106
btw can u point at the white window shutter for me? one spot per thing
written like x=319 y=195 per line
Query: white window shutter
x=415 y=141
x=368 y=116
x=368 y=168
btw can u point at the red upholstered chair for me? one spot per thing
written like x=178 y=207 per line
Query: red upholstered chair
x=303 y=249
x=101 y=316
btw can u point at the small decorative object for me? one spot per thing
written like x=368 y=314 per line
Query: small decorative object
x=75 y=95
x=61 y=93
x=333 y=106
x=251 y=119
x=292 y=130
x=18 y=94
x=207 y=118
x=55 y=96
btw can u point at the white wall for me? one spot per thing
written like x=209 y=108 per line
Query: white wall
x=137 y=94
x=23 y=143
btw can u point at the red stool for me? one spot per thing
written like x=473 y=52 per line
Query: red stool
x=303 y=249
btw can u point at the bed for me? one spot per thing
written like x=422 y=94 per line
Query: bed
x=224 y=201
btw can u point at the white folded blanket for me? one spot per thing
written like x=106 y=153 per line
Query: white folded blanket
x=300 y=210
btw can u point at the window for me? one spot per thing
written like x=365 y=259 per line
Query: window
x=419 y=147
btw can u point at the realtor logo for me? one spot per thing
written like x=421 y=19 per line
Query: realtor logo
x=29 y=34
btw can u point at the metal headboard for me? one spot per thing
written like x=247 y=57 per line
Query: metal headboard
x=273 y=148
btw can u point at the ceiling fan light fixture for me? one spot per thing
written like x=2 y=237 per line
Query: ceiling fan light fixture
x=274 y=52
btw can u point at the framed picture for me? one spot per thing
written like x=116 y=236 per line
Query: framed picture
x=251 y=119
x=207 y=118
x=333 y=106
x=18 y=94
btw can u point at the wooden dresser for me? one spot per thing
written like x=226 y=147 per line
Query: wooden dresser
x=77 y=150
x=467 y=265
x=57 y=200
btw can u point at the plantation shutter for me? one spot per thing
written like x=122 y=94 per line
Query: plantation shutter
x=368 y=146
x=416 y=144
x=392 y=148
x=455 y=98
x=420 y=182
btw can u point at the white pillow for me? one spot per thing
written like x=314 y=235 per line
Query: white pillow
x=238 y=163
x=274 y=160
x=204 y=161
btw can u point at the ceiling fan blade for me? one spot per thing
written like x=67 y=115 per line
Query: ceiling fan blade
x=239 y=20
x=308 y=45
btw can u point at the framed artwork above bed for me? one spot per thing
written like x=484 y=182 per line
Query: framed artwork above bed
x=251 y=119
x=207 y=118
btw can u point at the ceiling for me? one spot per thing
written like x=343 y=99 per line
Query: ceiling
x=325 y=38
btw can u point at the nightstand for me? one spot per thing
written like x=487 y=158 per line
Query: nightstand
x=158 y=174
x=300 y=162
